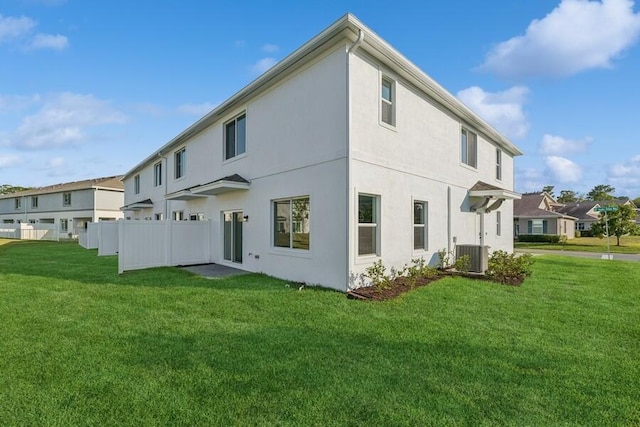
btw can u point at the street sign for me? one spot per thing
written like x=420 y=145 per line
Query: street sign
x=606 y=209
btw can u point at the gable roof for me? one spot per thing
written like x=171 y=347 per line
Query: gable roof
x=529 y=207
x=347 y=29
x=109 y=183
x=579 y=210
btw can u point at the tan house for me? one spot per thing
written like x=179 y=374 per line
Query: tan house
x=539 y=213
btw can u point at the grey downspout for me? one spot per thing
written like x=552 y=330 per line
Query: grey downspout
x=449 y=219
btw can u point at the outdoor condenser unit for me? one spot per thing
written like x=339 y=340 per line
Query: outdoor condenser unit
x=478 y=255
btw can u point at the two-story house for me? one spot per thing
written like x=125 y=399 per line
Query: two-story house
x=69 y=205
x=341 y=154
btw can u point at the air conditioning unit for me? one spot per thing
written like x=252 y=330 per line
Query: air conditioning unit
x=478 y=255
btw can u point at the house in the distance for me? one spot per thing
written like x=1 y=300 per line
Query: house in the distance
x=538 y=213
x=342 y=154
x=69 y=206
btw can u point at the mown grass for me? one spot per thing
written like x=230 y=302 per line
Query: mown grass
x=81 y=345
x=628 y=245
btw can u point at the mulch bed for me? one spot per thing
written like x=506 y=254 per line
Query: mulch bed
x=401 y=285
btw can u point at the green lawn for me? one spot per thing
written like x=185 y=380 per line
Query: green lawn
x=80 y=345
x=628 y=245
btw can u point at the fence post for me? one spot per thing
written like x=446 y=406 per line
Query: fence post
x=121 y=245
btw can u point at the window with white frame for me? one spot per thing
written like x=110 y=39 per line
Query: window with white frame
x=469 y=148
x=419 y=225
x=136 y=184
x=368 y=224
x=292 y=223
x=387 y=101
x=180 y=158
x=158 y=216
x=235 y=137
x=537 y=226
x=66 y=199
x=157 y=174
x=178 y=215
x=34 y=202
x=498 y=223
x=64 y=225
x=498 y=164
x=18 y=203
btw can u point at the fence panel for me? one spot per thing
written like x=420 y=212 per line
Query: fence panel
x=107 y=238
x=9 y=231
x=146 y=244
x=92 y=235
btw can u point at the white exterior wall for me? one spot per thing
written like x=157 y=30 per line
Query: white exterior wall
x=88 y=205
x=418 y=159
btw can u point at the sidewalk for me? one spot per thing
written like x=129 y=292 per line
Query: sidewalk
x=592 y=255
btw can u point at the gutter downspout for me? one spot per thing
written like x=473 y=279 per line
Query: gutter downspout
x=166 y=202
x=349 y=232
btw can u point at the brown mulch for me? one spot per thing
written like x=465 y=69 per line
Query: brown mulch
x=401 y=285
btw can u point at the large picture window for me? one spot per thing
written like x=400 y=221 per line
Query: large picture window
x=292 y=223
x=368 y=224
x=235 y=137
x=419 y=225
x=469 y=148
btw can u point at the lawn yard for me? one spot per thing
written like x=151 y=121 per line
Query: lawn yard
x=628 y=245
x=81 y=345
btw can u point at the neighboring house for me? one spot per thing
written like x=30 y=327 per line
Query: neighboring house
x=584 y=212
x=538 y=213
x=70 y=205
x=342 y=154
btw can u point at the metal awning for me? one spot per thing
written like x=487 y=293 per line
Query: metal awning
x=223 y=185
x=143 y=204
x=183 y=195
x=486 y=197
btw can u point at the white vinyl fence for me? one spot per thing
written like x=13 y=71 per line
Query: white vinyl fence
x=107 y=238
x=38 y=231
x=88 y=239
x=145 y=244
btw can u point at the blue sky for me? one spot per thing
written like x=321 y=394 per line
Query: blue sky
x=90 y=88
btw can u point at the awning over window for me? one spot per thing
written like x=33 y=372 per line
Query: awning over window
x=183 y=195
x=486 y=197
x=143 y=204
x=223 y=185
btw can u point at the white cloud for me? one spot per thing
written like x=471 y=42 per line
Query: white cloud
x=577 y=35
x=49 y=41
x=553 y=145
x=503 y=110
x=20 y=30
x=196 y=109
x=263 y=65
x=11 y=28
x=17 y=102
x=9 y=160
x=528 y=180
x=563 y=170
x=626 y=176
x=64 y=119
x=270 y=48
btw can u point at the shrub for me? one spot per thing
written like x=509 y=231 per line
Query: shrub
x=539 y=238
x=462 y=263
x=444 y=259
x=509 y=269
x=419 y=268
x=377 y=274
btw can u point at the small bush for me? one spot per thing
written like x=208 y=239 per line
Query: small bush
x=378 y=275
x=509 y=269
x=563 y=239
x=419 y=268
x=444 y=259
x=463 y=263
x=539 y=238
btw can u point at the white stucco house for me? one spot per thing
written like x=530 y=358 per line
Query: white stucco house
x=69 y=205
x=341 y=154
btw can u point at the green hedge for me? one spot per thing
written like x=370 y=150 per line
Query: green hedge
x=542 y=238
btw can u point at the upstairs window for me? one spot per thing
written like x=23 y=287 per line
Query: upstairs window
x=498 y=164
x=18 y=202
x=180 y=163
x=157 y=174
x=34 y=202
x=136 y=184
x=235 y=137
x=387 y=106
x=469 y=148
x=66 y=199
